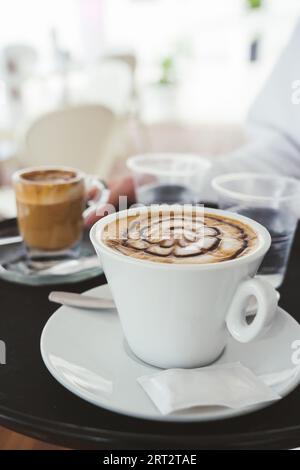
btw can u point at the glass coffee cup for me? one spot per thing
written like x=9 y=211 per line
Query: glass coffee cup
x=51 y=207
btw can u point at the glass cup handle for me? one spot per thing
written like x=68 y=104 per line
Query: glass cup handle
x=101 y=197
x=267 y=299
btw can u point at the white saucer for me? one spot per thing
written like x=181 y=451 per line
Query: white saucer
x=86 y=352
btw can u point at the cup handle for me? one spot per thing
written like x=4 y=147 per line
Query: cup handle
x=100 y=198
x=267 y=300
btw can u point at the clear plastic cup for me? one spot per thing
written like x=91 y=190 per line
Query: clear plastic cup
x=274 y=202
x=168 y=178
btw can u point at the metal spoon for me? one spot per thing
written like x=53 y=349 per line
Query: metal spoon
x=10 y=240
x=81 y=301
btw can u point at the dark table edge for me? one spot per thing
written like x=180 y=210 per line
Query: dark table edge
x=68 y=435
x=71 y=436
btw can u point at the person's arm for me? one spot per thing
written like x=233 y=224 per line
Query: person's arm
x=273 y=124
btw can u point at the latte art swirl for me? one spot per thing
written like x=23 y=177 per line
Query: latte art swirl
x=177 y=237
x=182 y=239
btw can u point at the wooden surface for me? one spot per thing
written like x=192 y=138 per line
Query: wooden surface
x=12 y=441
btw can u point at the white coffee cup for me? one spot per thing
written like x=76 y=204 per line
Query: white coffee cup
x=179 y=315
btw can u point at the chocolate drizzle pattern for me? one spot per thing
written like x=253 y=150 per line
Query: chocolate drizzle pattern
x=188 y=239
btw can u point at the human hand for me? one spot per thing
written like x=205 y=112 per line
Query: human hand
x=119 y=187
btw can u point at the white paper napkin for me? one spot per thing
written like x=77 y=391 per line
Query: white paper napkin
x=229 y=385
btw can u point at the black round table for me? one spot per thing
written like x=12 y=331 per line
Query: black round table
x=33 y=403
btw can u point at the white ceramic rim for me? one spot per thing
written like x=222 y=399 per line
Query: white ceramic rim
x=264 y=242
x=18 y=175
x=133 y=163
x=217 y=184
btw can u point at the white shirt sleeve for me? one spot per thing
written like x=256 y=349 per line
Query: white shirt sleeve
x=273 y=124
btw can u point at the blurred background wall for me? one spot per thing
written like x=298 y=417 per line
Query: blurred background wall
x=178 y=75
x=204 y=45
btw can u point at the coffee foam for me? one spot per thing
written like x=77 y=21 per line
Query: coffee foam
x=47 y=187
x=180 y=239
x=49 y=176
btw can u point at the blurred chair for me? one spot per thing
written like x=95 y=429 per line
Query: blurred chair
x=18 y=62
x=19 y=59
x=79 y=136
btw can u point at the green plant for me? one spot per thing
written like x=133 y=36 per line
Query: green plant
x=254 y=4
x=167 y=67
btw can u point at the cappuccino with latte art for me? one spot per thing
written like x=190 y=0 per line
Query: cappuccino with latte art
x=177 y=237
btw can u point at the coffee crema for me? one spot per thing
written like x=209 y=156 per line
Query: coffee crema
x=51 y=175
x=181 y=239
